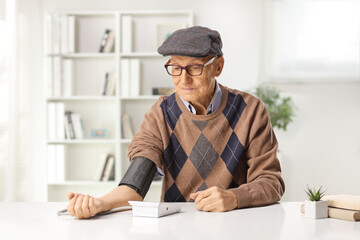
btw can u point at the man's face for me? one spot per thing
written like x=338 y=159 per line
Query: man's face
x=195 y=89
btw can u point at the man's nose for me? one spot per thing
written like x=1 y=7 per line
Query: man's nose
x=185 y=77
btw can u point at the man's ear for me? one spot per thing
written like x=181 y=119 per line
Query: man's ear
x=220 y=61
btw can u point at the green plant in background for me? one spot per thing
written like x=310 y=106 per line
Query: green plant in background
x=281 y=109
x=313 y=194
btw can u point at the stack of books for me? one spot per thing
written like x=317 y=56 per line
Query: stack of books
x=342 y=206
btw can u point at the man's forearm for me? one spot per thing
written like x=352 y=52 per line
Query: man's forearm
x=120 y=196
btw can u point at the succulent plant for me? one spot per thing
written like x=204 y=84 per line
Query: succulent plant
x=313 y=194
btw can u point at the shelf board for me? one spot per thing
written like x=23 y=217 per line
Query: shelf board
x=83 y=55
x=81 y=98
x=142 y=97
x=82 y=141
x=82 y=183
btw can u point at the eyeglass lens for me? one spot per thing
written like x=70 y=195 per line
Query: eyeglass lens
x=192 y=70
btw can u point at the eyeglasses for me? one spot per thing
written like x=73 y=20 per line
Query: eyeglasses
x=192 y=70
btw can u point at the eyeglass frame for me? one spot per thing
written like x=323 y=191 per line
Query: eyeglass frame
x=185 y=68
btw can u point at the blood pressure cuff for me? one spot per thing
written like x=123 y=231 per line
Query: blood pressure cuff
x=139 y=175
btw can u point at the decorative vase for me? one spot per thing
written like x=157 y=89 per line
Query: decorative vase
x=316 y=209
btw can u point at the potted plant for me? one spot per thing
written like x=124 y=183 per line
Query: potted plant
x=281 y=109
x=315 y=207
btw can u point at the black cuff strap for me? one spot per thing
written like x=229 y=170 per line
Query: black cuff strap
x=139 y=175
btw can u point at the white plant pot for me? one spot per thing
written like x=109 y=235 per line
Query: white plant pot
x=316 y=210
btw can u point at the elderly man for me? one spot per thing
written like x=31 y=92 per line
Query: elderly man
x=213 y=145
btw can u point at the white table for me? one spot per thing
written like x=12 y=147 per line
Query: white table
x=278 y=221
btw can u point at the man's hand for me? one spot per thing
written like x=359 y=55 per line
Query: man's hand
x=214 y=199
x=84 y=206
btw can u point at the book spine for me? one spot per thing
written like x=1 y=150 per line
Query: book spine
x=71 y=34
x=100 y=168
x=68 y=77
x=64 y=33
x=108 y=168
x=105 y=84
x=109 y=46
x=125 y=77
x=60 y=128
x=104 y=40
x=76 y=121
x=70 y=125
x=55 y=33
x=51 y=121
x=127 y=130
x=134 y=77
x=111 y=84
x=57 y=77
x=126 y=26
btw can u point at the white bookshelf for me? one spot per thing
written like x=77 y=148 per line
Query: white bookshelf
x=82 y=88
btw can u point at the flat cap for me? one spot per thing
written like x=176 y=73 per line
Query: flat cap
x=192 y=42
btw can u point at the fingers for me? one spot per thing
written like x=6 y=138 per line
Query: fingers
x=81 y=206
x=77 y=208
x=70 y=195
x=215 y=199
x=203 y=194
x=71 y=206
x=85 y=207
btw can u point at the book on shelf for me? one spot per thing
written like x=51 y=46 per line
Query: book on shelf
x=130 y=77
x=106 y=169
x=57 y=82
x=67 y=34
x=109 y=84
x=60 y=33
x=109 y=46
x=134 y=77
x=73 y=125
x=61 y=77
x=78 y=126
x=126 y=33
x=339 y=213
x=163 y=91
x=55 y=121
x=56 y=163
x=125 y=77
x=107 y=41
x=67 y=81
x=53 y=33
x=126 y=127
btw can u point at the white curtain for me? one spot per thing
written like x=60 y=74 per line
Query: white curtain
x=18 y=72
x=312 y=39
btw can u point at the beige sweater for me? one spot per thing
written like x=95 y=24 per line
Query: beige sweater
x=233 y=148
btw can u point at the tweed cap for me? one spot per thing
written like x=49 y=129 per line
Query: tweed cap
x=192 y=42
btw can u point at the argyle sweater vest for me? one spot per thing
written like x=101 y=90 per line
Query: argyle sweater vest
x=233 y=148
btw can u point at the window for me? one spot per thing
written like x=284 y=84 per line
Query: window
x=311 y=40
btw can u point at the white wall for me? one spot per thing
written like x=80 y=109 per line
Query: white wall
x=321 y=147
